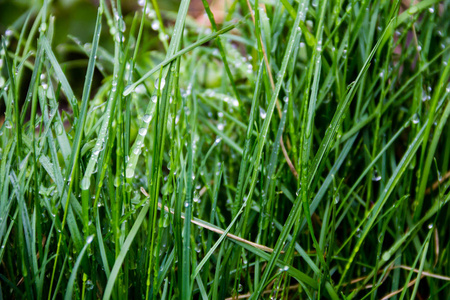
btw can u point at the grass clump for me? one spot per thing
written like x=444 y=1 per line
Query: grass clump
x=293 y=150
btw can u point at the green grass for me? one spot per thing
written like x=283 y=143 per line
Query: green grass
x=299 y=150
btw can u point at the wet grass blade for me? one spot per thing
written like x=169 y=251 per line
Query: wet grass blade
x=78 y=135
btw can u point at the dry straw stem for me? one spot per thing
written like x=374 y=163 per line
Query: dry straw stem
x=424 y=274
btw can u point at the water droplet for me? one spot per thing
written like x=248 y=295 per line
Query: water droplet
x=147 y=118
x=117 y=37
x=116 y=181
x=129 y=172
x=220 y=126
x=431 y=10
x=43 y=27
x=376 y=176
x=85 y=183
x=336 y=199
x=154 y=98
x=163 y=83
x=89 y=285
x=155 y=25
x=262 y=113
x=186 y=204
x=59 y=129
x=122 y=25
x=319 y=46
x=415 y=119
x=430 y=226
x=142 y=131
x=90 y=239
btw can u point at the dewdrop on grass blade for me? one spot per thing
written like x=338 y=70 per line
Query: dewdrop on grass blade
x=89 y=239
x=147 y=118
x=262 y=113
x=155 y=25
x=129 y=172
x=142 y=131
x=319 y=46
x=59 y=130
x=163 y=83
x=85 y=183
x=43 y=27
x=376 y=176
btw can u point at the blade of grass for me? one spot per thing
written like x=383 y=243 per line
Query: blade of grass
x=73 y=276
x=79 y=129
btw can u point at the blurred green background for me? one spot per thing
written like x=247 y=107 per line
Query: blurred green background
x=77 y=17
x=74 y=23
